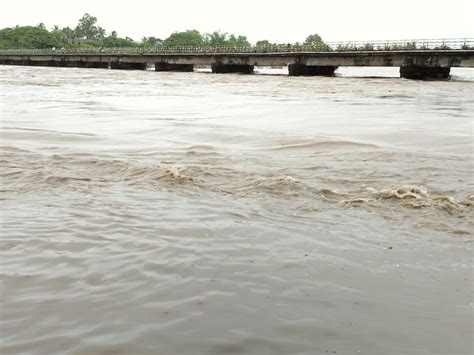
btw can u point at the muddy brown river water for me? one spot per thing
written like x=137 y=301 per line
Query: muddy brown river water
x=192 y=213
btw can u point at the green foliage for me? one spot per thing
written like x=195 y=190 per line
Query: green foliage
x=88 y=34
x=265 y=46
x=88 y=45
x=28 y=37
x=367 y=47
x=399 y=47
x=151 y=42
x=188 y=38
x=239 y=41
x=346 y=47
x=87 y=28
x=68 y=34
x=406 y=46
x=263 y=43
x=315 y=41
x=370 y=47
x=443 y=47
x=216 y=38
x=117 y=42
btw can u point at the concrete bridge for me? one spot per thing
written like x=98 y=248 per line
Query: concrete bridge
x=413 y=63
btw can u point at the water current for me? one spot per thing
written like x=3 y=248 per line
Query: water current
x=196 y=213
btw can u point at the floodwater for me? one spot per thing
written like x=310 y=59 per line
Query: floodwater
x=193 y=213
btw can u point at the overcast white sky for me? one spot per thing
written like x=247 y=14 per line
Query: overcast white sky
x=279 y=21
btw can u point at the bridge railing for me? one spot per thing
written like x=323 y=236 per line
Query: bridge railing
x=348 y=46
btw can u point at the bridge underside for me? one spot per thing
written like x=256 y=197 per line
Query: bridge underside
x=164 y=66
x=220 y=68
x=103 y=65
x=128 y=65
x=311 y=70
x=56 y=63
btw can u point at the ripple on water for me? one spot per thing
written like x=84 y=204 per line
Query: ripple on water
x=149 y=212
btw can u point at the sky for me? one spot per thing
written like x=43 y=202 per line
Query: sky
x=277 y=21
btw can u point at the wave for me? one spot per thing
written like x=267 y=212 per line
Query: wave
x=38 y=135
x=412 y=196
x=324 y=144
x=24 y=171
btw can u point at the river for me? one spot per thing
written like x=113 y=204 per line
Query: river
x=195 y=213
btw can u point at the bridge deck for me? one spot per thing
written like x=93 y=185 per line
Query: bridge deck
x=426 y=58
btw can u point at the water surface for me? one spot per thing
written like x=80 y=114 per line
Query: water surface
x=192 y=213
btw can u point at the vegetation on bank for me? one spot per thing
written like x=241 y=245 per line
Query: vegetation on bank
x=88 y=34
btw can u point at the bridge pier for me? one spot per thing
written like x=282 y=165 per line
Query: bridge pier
x=311 y=70
x=417 y=72
x=163 y=66
x=128 y=66
x=219 y=68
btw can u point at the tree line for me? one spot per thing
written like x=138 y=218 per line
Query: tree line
x=89 y=34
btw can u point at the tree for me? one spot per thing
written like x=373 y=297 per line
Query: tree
x=151 y=42
x=263 y=43
x=113 y=41
x=313 y=39
x=100 y=33
x=216 y=38
x=188 y=38
x=87 y=28
x=116 y=42
x=367 y=47
x=239 y=41
x=68 y=34
x=317 y=42
x=58 y=35
x=28 y=37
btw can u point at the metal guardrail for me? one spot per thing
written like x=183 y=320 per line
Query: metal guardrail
x=347 y=46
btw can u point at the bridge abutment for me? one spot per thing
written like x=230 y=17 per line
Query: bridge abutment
x=311 y=70
x=219 y=68
x=128 y=66
x=417 y=72
x=163 y=66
